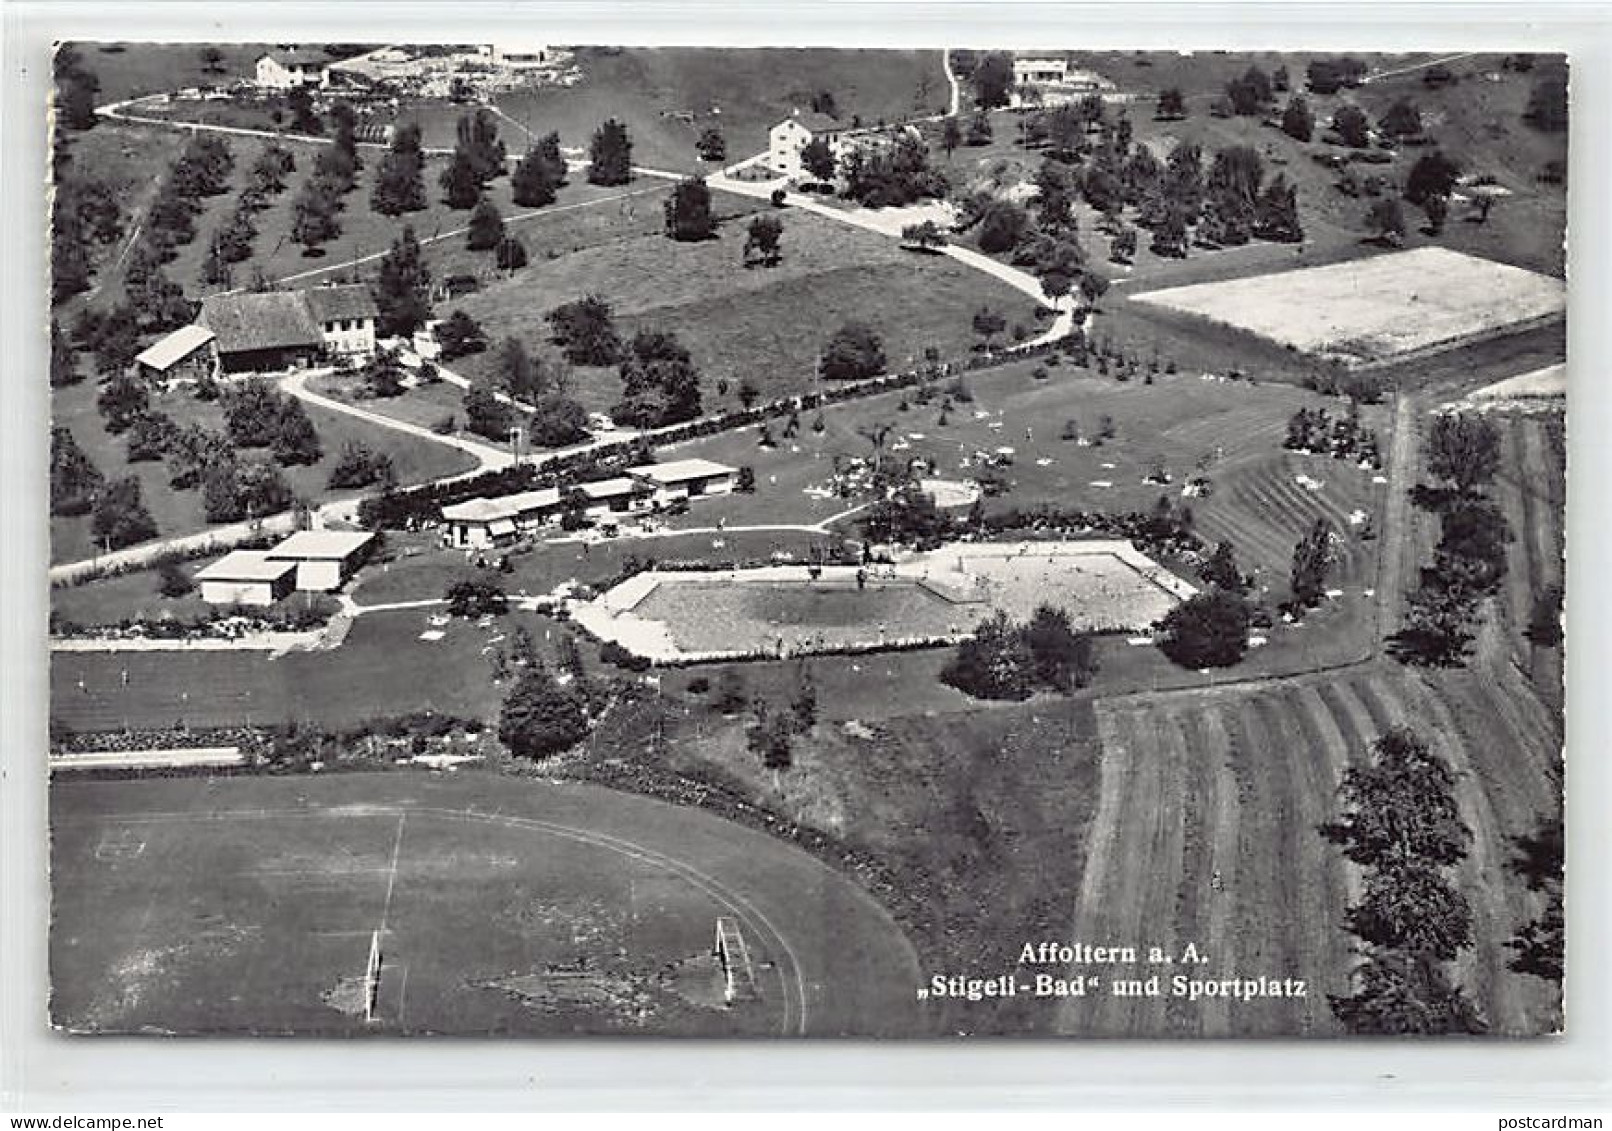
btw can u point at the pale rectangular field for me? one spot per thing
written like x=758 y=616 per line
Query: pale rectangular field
x=1378 y=309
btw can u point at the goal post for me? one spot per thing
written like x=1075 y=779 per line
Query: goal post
x=738 y=972
x=372 y=977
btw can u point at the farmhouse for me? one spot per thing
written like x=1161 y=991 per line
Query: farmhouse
x=345 y=316
x=259 y=332
x=1056 y=82
x=323 y=559
x=786 y=140
x=246 y=577
x=292 y=67
x=684 y=479
x=1040 y=70
x=181 y=355
x=476 y=523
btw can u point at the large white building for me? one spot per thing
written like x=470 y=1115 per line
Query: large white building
x=292 y=67
x=345 y=316
x=246 y=577
x=684 y=479
x=323 y=559
x=788 y=138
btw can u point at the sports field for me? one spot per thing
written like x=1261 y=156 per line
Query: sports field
x=1377 y=309
x=502 y=907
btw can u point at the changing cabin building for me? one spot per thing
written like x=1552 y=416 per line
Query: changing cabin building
x=323 y=559
x=479 y=523
x=684 y=479
x=246 y=577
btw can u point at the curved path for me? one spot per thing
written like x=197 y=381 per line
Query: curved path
x=830 y=960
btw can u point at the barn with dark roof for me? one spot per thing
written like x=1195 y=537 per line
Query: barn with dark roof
x=261 y=331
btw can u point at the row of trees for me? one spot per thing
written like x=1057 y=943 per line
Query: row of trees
x=231 y=242
x=1469 y=561
x=1401 y=825
x=315 y=212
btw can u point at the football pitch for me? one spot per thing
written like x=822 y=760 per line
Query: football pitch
x=498 y=907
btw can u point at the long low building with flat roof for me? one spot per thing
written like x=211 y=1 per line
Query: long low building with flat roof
x=324 y=559
x=685 y=478
x=246 y=577
x=475 y=523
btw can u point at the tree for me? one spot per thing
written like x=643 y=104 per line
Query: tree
x=1547 y=105
x=585 y=330
x=659 y=383
x=299 y=100
x=1402 y=120
x=476 y=143
x=893 y=175
x=537 y=179
x=769 y=738
x=1221 y=569
x=1400 y=808
x=1208 y=630
x=1434 y=174
x=1464 y=450
x=510 y=254
x=817 y=158
x=688 y=211
x=611 y=154
x=461 y=187
x=1352 y=125
x=1172 y=105
x=995 y=663
x=486 y=227
x=1437 y=210
x=359 y=466
x=121 y=518
x=763 y=240
x=476 y=596
x=76 y=88
x=1122 y=249
x=539 y=717
x=1249 y=93
x=1312 y=558
x=313 y=216
x=1003 y=227
x=172 y=580
x=1545 y=621
x=558 y=420
x=399 y=181
x=63 y=358
x=74 y=480
x=951 y=136
x=979 y=130
x=148 y=437
x=403 y=288
x=712 y=146
x=926 y=236
x=1276 y=216
x=1060 y=657
x=121 y=402
x=993 y=80
x=1387 y=220
x=460 y=335
x=745 y=482
x=515 y=371
x=252 y=412
x=1297 y=121
x=988 y=323
x=485 y=414
x=854 y=352
x=1394 y=996
x=383 y=375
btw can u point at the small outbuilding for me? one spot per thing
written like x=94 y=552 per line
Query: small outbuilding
x=246 y=577
x=323 y=559
x=182 y=355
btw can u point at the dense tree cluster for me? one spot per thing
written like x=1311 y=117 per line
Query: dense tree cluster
x=1401 y=824
x=1330 y=75
x=476 y=597
x=74 y=480
x=1539 y=944
x=993 y=80
x=121 y=518
x=1313 y=558
x=659 y=383
x=540 y=716
x=460 y=335
x=1316 y=431
x=359 y=466
x=478 y=157
x=585 y=330
x=257 y=415
x=537 y=179
x=1004 y=660
x=1469 y=560
x=891 y=175
x=1207 y=630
